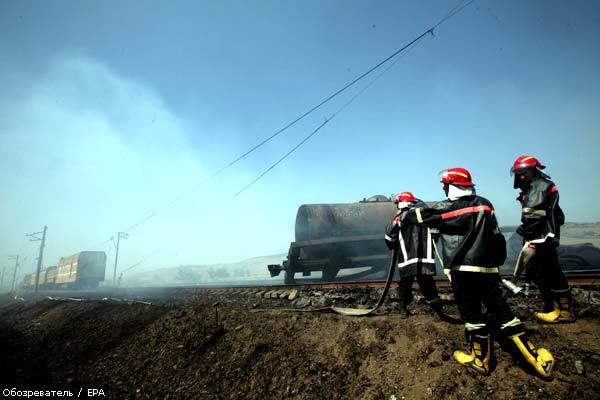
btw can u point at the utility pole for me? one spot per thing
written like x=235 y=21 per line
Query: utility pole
x=35 y=238
x=16 y=258
x=120 y=235
x=2 y=279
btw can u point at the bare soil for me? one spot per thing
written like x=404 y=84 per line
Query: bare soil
x=259 y=348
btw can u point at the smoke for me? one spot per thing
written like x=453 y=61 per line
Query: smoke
x=88 y=152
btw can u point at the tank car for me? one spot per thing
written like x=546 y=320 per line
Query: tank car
x=331 y=237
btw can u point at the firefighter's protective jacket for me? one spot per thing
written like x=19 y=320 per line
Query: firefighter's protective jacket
x=541 y=216
x=415 y=255
x=470 y=236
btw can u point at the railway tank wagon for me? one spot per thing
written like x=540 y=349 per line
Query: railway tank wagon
x=331 y=237
x=82 y=270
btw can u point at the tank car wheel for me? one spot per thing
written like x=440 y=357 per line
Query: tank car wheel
x=329 y=273
x=288 y=277
x=332 y=268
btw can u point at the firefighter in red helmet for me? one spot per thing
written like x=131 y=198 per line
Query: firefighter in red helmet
x=541 y=218
x=473 y=248
x=416 y=256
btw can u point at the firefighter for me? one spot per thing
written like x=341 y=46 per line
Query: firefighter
x=415 y=251
x=541 y=218
x=473 y=249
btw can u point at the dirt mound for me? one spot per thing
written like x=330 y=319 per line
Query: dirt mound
x=187 y=351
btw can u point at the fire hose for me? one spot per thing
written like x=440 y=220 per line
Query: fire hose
x=358 y=312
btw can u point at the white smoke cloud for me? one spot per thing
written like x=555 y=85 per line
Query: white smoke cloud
x=88 y=152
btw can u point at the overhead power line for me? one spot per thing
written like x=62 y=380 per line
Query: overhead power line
x=456 y=9
x=283 y=158
x=139 y=262
x=452 y=12
x=140 y=222
x=322 y=125
x=326 y=100
x=289 y=125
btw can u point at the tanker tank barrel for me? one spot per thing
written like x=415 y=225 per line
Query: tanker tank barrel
x=331 y=237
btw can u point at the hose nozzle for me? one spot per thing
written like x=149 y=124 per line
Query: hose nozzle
x=511 y=286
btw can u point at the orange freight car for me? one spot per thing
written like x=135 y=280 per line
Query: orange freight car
x=82 y=270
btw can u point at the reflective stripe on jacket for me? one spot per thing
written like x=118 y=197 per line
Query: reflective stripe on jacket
x=471 y=239
x=415 y=255
x=541 y=216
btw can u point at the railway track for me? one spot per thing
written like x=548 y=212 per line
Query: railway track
x=576 y=279
x=354 y=297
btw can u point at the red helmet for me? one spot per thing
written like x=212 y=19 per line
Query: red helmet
x=404 y=197
x=457 y=176
x=525 y=162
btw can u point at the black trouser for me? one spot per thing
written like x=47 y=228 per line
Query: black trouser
x=546 y=273
x=472 y=289
x=426 y=284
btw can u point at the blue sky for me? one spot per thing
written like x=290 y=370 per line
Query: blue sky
x=110 y=110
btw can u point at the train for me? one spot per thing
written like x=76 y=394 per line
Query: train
x=83 y=270
x=333 y=237
x=330 y=238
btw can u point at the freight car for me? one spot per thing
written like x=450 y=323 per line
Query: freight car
x=29 y=280
x=83 y=270
x=332 y=237
x=51 y=273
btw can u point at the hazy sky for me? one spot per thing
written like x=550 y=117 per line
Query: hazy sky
x=111 y=110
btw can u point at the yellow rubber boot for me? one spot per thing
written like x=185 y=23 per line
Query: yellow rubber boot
x=478 y=359
x=566 y=309
x=562 y=312
x=540 y=359
x=550 y=317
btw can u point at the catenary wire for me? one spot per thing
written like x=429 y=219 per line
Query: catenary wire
x=139 y=262
x=343 y=107
x=289 y=125
x=452 y=12
x=455 y=10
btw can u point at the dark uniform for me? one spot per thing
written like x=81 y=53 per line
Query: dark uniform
x=415 y=259
x=541 y=218
x=473 y=248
